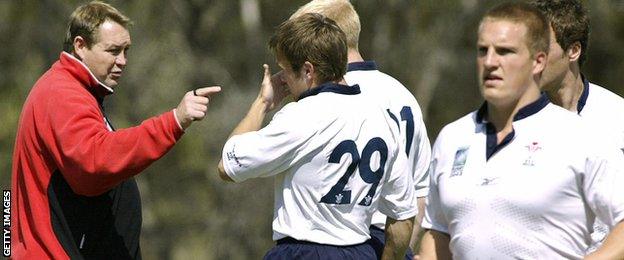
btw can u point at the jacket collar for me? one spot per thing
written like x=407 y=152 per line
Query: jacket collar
x=80 y=71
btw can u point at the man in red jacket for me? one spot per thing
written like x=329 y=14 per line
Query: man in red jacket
x=74 y=195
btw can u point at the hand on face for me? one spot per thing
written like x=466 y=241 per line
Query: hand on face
x=273 y=88
x=194 y=107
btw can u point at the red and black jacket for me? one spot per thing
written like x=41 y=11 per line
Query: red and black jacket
x=73 y=191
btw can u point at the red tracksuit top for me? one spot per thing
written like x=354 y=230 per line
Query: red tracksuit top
x=73 y=191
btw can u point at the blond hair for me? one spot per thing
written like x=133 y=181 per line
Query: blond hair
x=341 y=11
x=538 y=31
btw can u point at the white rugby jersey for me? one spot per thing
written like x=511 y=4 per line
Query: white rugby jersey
x=340 y=161
x=604 y=111
x=405 y=111
x=537 y=195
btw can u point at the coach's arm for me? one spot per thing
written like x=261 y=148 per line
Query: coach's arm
x=435 y=245
x=612 y=248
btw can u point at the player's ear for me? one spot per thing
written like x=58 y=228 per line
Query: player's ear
x=574 y=51
x=308 y=72
x=539 y=62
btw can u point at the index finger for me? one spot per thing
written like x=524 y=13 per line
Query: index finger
x=267 y=71
x=207 y=91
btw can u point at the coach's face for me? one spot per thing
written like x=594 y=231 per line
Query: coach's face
x=504 y=63
x=107 y=57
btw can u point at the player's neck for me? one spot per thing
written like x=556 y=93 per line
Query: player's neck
x=342 y=81
x=353 y=55
x=502 y=115
x=569 y=92
x=315 y=83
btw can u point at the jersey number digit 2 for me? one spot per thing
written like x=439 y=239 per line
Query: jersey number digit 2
x=408 y=117
x=337 y=194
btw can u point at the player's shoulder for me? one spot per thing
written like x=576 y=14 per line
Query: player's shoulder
x=328 y=107
x=558 y=120
x=394 y=85
x=375 y=80
x=563 y=125
x=384 y=88
x=457 y=130
x=465 y=123
x=299 y=115
x=600 y=96
x=552 y=111
x=602 y=108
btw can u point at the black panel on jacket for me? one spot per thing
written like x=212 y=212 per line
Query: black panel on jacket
x=107 y=226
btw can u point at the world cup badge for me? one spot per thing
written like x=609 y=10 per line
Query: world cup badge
x=460 y=161
x=532 y=149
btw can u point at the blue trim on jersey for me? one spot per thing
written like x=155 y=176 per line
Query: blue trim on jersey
x=532 y=108
x=583 y=99
x=362 y=65
x=491 y=146
x=490 y=130
x=331 y=87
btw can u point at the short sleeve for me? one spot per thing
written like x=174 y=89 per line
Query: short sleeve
x=422 y=160
x=398 y=198
x=434 y=217
x=268 y=151
x=603 y=182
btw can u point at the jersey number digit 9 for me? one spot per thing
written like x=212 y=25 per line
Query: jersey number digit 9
x=337 y=194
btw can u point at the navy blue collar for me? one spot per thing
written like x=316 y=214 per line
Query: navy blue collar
x=524 y=112
x=331 y=87
x=583 y=99
x=362 y=65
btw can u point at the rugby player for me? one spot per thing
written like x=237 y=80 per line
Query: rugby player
x=389 y=93
x=567 y=87
x=336 y=159
x=506 y=180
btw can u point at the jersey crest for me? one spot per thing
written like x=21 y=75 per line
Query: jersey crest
x=459 y=162
x=532 y=149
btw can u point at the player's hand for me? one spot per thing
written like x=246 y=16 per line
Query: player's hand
x=273 y=89
x=194 y=105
